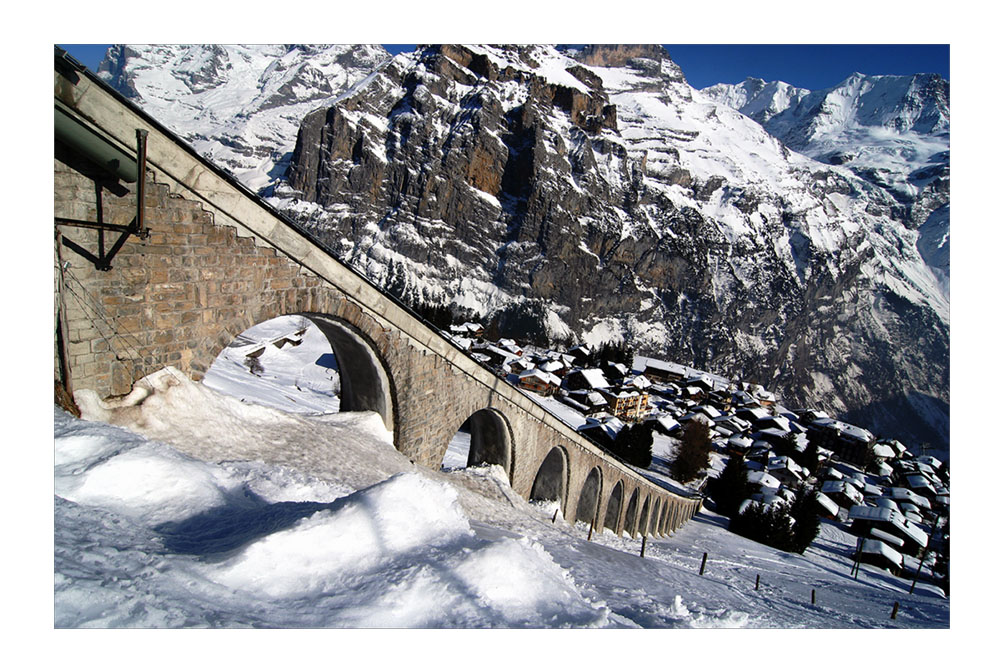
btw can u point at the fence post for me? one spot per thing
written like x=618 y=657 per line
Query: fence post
x=895 y=609
x=642 y=553
x=756 y=585
x=814 y=597
x=704 y=558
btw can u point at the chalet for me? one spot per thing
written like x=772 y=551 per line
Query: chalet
x=810 y=415
x=586 y=379
x=843 y=492
x=850 y=443
x=751 y=414
x=510 y=346
x=603 y=431
x=470 y=329
x=921 y=485
x=663 y=423
x=615 y=372
x=828 y=509
x=591 y=401
x=660 y=371
x=557 y=367
x=786 y=470
x=536 y=380
x=879 y=554
x=903 y=495
x=773 y=422
x=582 y=354
x=521 y=364
x=497 y=356
x=738 y=445
x=865 y=518
x=763 y=482
x=639 y=382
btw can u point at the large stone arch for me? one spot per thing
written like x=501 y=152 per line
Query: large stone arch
x=492 y=440
x=551 y=480
x=631 y=513
x=589 y=502
x=643 y=527
x=613 y=512
x=655 y=521
x=365 y=382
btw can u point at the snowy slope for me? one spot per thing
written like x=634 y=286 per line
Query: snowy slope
x=251 y=540
x=181 y=506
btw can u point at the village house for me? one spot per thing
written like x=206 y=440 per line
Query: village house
x=865 y=518
x=536 y=380
x=586 y=379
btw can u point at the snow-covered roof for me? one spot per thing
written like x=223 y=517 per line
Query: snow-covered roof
x=548 y=378
x=883 y=450
x=765 y=480
x=827 y=503
x=594 y=378
x=872 y=546
x=889 y=516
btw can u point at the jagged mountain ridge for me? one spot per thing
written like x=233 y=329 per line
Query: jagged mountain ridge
x=238 y=105
x=893 y=131
x=595 y=194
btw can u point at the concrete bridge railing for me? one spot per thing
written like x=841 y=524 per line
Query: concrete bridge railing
x=217 y=260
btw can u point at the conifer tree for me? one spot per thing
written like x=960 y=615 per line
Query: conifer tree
x=731 y=488
x=693 y=454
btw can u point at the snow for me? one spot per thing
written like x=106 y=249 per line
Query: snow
x=210 y=510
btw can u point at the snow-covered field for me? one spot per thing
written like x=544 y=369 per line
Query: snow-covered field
x=186 y=507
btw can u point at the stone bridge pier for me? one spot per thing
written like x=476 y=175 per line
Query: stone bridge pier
x=212 y=260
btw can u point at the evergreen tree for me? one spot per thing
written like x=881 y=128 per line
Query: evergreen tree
x=804 y=511
x=731 y=487
x=693 y=454
x=770 y=525
x=634 y=444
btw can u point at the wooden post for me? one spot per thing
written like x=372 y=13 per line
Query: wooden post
x=814 y=597
x=704 y=558
x=756 y=585
x=895 y=609
x=643 y=552
x=554 y=515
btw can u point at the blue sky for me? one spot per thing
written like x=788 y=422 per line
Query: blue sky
x=812 y=66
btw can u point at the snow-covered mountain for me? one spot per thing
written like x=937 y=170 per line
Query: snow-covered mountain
x=593 y=194
x=239 y=106
x=893 y=131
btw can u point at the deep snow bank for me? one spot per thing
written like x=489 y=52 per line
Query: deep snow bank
x=146 y=536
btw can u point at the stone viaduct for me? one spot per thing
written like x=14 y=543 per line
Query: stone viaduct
x=174 y=281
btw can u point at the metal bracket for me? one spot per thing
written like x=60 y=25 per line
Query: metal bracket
x=102 y=261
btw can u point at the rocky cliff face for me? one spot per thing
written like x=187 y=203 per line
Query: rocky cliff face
x=594 y=194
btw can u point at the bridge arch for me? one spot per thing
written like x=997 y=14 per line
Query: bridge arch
x=655 y=521
x=612 y=513
x=631 y=513
x=491 y=440
x=365 y=382
x=590 y=497
x=643 y=527
x=551 y=480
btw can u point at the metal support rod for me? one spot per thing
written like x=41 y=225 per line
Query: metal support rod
x=140 y=186
x=89 y=224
